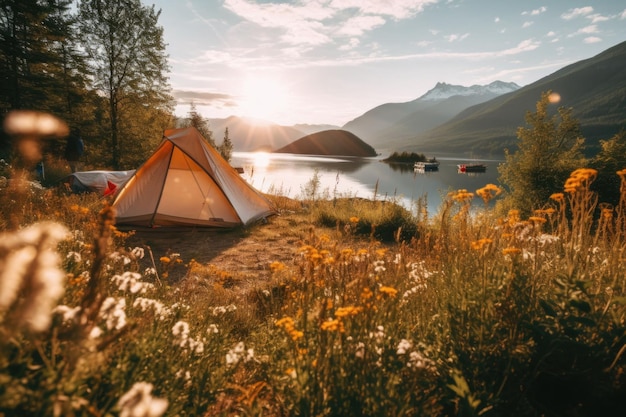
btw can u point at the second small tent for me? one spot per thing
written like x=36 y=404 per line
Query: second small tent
x=186 y=182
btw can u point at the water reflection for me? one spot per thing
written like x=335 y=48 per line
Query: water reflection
x=289 y=174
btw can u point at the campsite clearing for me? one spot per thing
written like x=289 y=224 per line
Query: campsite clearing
x=245 y=253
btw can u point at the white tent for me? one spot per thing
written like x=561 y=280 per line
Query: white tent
x=101 y=182
x=187 y=183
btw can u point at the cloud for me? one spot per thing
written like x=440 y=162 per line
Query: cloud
x=535 y=12
x=398 y=9
x=527 y=24
x=358 y=25
x=204 y=98
x=352 y=43
x=622 y=16
x=587 y=30
x=577 y=12
x=497 y=19
x=315 y=22
x=595 y=18
x=300 y=24
x=592 y=39
x=455 y=37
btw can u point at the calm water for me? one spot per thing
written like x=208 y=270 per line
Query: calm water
x=288 y=174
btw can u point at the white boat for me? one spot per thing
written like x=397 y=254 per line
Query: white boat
x=430 y=165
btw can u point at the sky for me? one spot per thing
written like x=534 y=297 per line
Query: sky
x=330 y=61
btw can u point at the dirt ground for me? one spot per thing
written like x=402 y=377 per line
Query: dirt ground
x=245 y=253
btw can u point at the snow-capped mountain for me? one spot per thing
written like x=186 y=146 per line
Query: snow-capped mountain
x=442 y=91
x=392 y=122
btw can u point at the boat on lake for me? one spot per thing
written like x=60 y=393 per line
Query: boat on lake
x=473 y=167
x=430 y=165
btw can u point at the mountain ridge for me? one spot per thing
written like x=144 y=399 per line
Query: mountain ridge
x=595 y=89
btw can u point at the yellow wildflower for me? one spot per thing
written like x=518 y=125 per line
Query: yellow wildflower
x=480 y=243
x=354 y=219
x=366 y=294
x=347 y=252
x=348 y=311
x=511 y=251
x=165 y=259
x=390 y=291
x=488 y=192
x=557 y=197
x=332 y=326
x=277 y=266
x=536 y=219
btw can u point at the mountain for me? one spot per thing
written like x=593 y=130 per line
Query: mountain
x=594 y=88
x=307 y=129
x=330 y=142
x=249 y=135
x=399 y=121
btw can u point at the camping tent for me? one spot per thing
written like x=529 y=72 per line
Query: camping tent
x=101 y=182
x=186 y=182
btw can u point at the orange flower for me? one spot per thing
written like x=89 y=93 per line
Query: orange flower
x=391 y=292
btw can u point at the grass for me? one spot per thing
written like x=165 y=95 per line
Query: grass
x=381 y=312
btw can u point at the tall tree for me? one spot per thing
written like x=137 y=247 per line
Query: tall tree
x=226 y=148
x=125 y=47
x=201 y=123
x=32 y=61
x=549 y=149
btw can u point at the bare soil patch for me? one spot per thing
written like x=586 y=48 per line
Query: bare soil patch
x=243 y=252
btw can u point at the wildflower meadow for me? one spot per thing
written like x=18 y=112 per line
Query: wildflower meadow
x=477 y=313
x=369 y=310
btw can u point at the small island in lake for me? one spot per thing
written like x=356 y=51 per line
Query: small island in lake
x=330 y=142
x=406 y=158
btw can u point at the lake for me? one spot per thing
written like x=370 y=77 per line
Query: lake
x=289 y=175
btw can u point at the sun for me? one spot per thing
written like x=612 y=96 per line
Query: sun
x=264 y=97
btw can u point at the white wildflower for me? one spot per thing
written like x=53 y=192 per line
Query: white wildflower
x=74 y=256
x=360 y=350
x=213 y=329
x=31 y=267
x=181 y=331
x=160 y=310
x=403 y=347
x=68 y=314
x=137 y=252
x=239 y=353
x=138 y=402
x=112 y=311
x=379 y=266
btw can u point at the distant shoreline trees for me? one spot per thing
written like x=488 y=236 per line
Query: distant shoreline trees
x=405 y=158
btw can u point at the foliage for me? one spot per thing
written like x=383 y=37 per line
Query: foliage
x=226 y=148
x=610 y=159
x=125 y=47
x=195 y=119
x=382 y=220
x=405 y=157
x=549 y=148
x=477 y=314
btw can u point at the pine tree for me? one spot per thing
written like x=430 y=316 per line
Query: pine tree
x=35 y=53
x=195 y=119
x=226 y=148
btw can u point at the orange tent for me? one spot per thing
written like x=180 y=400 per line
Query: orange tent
x=186 y=182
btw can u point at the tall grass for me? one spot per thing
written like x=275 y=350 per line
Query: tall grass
x=466 y=312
